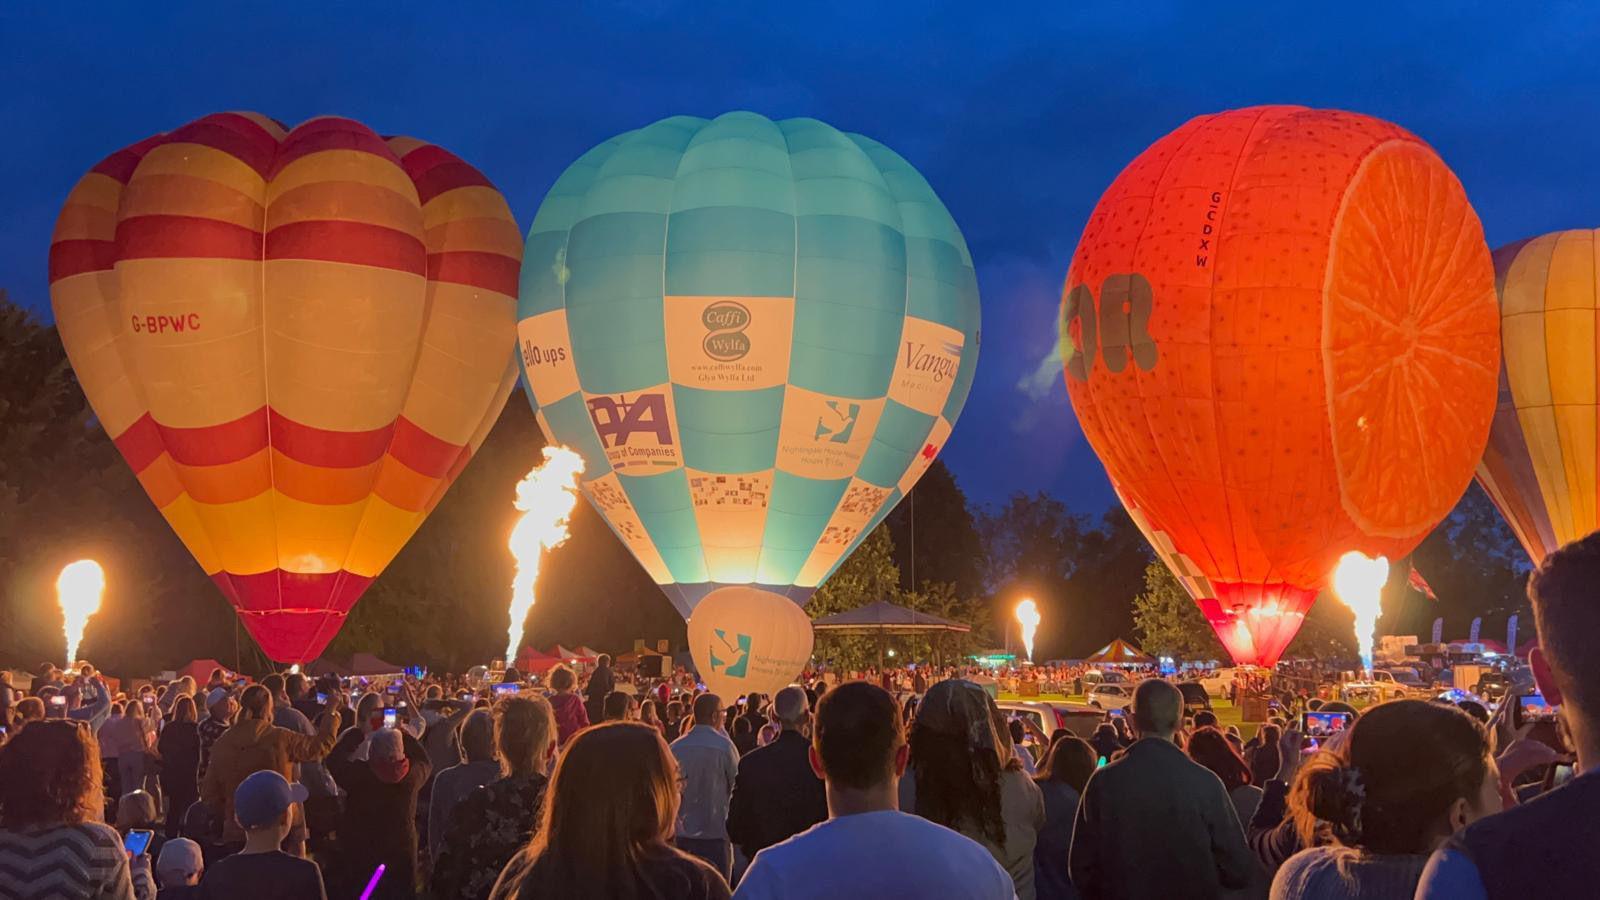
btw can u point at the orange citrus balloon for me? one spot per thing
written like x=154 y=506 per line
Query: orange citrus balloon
x=1280 y=337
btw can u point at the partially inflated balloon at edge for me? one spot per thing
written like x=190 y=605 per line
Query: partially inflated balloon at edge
x=297 y=339
x=1541 y=465
x=747 y=640
x=757 y=333
x=1280 y=337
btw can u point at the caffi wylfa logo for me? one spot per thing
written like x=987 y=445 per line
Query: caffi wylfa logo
x=725 y=322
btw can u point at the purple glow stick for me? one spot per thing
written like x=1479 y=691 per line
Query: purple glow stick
x=372 y=884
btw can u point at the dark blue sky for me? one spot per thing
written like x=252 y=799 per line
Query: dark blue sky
x=1019 y=119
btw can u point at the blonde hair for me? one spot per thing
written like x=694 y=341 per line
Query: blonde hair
x=134 y=809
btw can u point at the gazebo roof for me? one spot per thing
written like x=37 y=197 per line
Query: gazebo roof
x=883 y=617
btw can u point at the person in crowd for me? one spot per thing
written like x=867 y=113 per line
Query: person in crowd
x=110 y=739
x=220 y=710
x=455 y=783
x=776 y=794
x=650 y=714
x=1066 y=770
x=29 y=709
x=1544 y=848
x=1267 y=758
x=755 y=711
x=442 y=720
x=607 y=826
x=488 y=827
x=620 y=707
x=673 y=719
x=601 y=683
x=9 y=696
x=250 y=745
x=1210 y=748
x=183 y=687
x=262 y=807
x=1205 y=718
x=135 y=765
x=379 y=824
x=1409 y=773
x=709 y=763
x=744 y=740
x=867 y=849
x=566 y=705
x=1153 y=818
x=139 y=810
x=52 y=843
x=179 y=749
x=965 y=776
x=179 y=868
x=1104 y=741
x=91 y=702
x=1019 y=748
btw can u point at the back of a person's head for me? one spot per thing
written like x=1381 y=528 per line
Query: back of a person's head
x=1157 y=707
x=136 y=809
x=1071 y=761
x=367 y=708
x=741 y=727
x=612 y=798
x=1208 y=747
x=294 y=685
x=1565 y=591
x=1016 y=730
x=856 y=733
x=616 y=705
x=1205 y=718
x=255 y=702
x=707 y=707
x=50 y=775
x=562 y=678
x=477 y=736
x=603 y=661
x=183 y=710
x=1388 y=787
x=524 y=728
x=791 y=706
x=273 y=683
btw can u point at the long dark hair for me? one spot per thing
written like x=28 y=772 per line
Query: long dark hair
x=1211 y=749
x=611 y=804
x=1070 y=762
x=1400 y=768
x=957 y=784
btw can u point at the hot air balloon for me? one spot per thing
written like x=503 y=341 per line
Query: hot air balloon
x=297 y=339
x=1279 y=336
x=758 y=334
x=1540 y=466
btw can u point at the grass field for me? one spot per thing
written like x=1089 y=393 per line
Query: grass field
x=1227 y=713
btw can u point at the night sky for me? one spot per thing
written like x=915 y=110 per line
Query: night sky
x=1019 y=120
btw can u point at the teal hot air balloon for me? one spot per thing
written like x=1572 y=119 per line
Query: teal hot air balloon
x=758 y=335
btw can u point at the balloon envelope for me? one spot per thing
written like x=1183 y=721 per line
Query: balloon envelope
x=757 y=333
x=746 y=639
x=296 y=338
x=1279 y=336
x=1540 y=466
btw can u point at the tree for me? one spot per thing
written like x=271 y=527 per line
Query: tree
x=1168 y=621
x=936 y=536
x=867 y=575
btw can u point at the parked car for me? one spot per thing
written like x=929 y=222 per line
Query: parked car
x=1110 y=696
x=1195 y=697
x=1219 y=682
x=1049 y=715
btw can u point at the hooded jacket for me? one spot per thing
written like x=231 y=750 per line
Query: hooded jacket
x=253 y=745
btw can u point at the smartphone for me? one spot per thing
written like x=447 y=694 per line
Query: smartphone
x=322 y=699
x=505 y=690
x=1116 y=713
x=58 y=707
x=1100 y=762
x=393 y=688
x=1324 y=724
x=149 y=700
x=389 y=717
x=1534 y=708
x=137 y=842
x=400 y=704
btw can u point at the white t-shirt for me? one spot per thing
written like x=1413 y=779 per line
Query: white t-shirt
x=876 y=856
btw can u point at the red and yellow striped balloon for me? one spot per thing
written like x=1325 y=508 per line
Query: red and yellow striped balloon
x=297 y=339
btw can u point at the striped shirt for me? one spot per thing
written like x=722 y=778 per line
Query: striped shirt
x=68 y=862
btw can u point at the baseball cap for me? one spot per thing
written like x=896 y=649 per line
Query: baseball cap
x=180 y=855
x=262 y=798
x=216 y=696
x=791 y=704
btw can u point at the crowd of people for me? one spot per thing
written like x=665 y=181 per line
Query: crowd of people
x=594 y=787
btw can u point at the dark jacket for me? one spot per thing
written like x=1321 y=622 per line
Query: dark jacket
x=1153 y=819
x=601 y=683
x=1543 y=848
x=379 y=824
x=179 y=746
x=776 y=795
